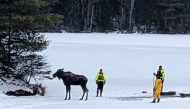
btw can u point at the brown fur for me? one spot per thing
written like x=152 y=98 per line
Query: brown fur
x=69 y=79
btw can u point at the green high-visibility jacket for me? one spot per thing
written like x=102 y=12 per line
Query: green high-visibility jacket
x=163 y=73
x=100 y=77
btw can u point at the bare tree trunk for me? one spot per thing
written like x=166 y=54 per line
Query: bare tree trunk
x=85 y=27
x=83 y=11
x=9 y=51
x=88 y=15
x=131 y=14
x=123 y=10
x=89 y=11
x=91 y=21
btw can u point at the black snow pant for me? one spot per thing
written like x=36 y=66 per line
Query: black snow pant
x=162 y=85
x=100 y=86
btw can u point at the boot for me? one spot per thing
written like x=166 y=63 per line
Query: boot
x=97 y=93
x=154 y=100
x=101 y=90
x=158 y=100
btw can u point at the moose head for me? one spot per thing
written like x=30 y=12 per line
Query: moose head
x=58 y=73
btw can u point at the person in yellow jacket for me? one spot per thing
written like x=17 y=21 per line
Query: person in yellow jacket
x=100 y=81
x=161 y=74
x=157 y=89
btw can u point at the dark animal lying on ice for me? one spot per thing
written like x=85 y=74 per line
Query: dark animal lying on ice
x=20 y=92
x=69 y=79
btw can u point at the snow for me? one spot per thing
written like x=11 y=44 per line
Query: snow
x=129 y=61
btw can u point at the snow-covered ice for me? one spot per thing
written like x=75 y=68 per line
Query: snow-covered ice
x=129 y=61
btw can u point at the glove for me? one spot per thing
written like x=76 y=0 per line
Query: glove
x=154 y=89
x=154 y=73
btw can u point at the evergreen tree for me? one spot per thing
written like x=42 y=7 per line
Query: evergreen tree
x=20 y=21
x=146 y=14
x=174 y=15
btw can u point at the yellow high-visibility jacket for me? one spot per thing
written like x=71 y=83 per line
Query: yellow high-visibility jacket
x=158 y=85
x=101 y=77
x=162 y=73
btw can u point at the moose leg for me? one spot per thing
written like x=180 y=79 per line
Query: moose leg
x=66 y=94
x=83 y=92
x=86 y=94
x=69 y=93
x=67 y=90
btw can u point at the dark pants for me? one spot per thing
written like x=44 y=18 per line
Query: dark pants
x=100 y=86
x=162 y=85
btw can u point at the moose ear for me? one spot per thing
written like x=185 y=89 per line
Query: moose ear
x=61 y=69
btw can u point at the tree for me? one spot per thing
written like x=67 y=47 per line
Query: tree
x=131 y=13
x=175 y=15
x=19 y=25
x=146 y=14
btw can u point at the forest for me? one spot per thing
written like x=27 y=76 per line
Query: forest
x=22 y=21
x=147 y=16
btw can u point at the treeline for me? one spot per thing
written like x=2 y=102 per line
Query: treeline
x=158 y=16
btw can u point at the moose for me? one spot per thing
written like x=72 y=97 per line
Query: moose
x=69 y=79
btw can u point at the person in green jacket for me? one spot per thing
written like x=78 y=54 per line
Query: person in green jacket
x=161 y=75
x=100 y=81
